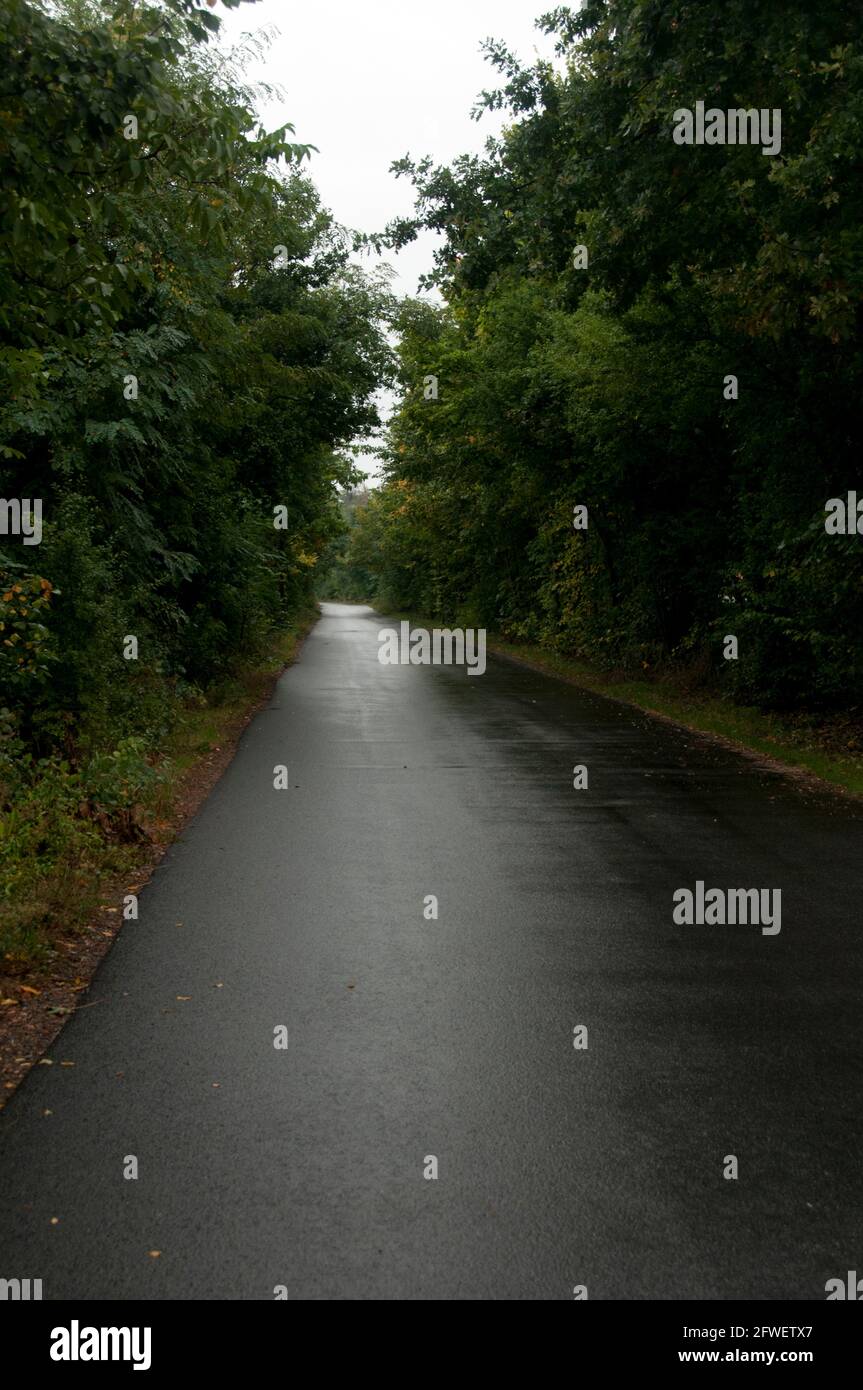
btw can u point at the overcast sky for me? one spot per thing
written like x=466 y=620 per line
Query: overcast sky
x=368 y=81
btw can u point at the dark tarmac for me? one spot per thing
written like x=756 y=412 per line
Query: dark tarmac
x=411 y=1038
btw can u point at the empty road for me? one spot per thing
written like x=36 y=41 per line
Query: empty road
x=411 y=1039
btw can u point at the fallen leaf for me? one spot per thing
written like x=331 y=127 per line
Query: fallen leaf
x=184 y=997
x=67 y=1064
x=28 y=989
x=46 y=1062
x=154 y=1254
x=47 y=1112
x=55 y=1221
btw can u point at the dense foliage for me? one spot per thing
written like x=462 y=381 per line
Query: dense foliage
x=340 y=575
x=186 y=355
x=606 y=386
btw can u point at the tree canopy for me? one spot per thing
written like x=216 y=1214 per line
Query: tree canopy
x=667 y=335
x=186 y=355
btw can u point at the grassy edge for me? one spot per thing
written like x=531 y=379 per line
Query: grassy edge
x=201 y=729
x=42 y=997
x=748 y=729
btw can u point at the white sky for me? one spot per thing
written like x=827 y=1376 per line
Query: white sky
x=368 y=81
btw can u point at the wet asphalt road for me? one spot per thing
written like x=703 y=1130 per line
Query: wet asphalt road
x=410 y=1037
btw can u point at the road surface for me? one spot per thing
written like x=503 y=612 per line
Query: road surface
x=411 y=1038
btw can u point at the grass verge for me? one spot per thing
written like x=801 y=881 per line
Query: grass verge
x=829 y=748
x=59 y=917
